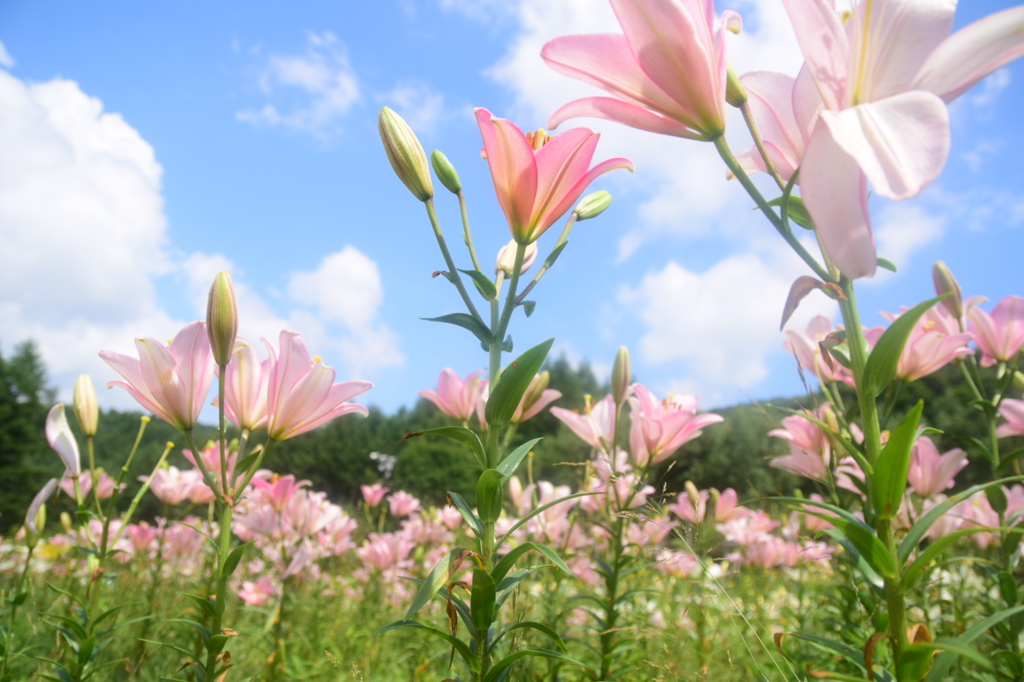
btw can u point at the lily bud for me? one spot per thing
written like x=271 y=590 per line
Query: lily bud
x=621 y=374
x=946 y=283
x=507 y=257
x=713 y=503
x=735 y=93
x=1018 y=380
x=593 y=205
x=445 y=172
x=222 y=318
x=65 y=522
x=828 y=416
x=87 y=409
x=694 y=495
x=35 y=519
x=536 y=389
x=405 y=154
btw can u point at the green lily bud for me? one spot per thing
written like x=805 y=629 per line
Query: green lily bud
x=946 y=283
x=593 y=205
x=1018 y=380
x=621 y=374
x=535 y=390
x=222 y=318
x=445 y=172
x=735 y=93
x=405 y=154
x=87 y=409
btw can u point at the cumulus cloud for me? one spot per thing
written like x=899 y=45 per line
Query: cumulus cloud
x=419 y=104
x=6 y=60
x=83 y=241
x=309 y=92
x=722 y=324
x=346 y=287
x=902 y=229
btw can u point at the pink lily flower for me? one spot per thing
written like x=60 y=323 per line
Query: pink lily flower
x=373 y=494
x=455 y=397
x=172 y=485
x=786 y=110
x=539 y=177
x=727 y=508
x=506 y=260
x=660 y=428
x=809 y=448
x=257 y=593
x=667 y=72
x=805 y=346
x=1013 y=412
x=596 y=426
x=685 y=508
x=171 y=382
x=62 y=440
x=302 y=395
x=815 y=523
x=884 y=77
x=931 y=473
x=934 y=343
x=1001 y=334
x=278 y=491
x=104 y=485
x=403 y=504
x=245 y=387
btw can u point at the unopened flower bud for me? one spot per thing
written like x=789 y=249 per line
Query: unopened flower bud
x=1018 y=380
x=507 y=257
x=65 y=522
x=222 y=318
x=445 y=172
x=713 y=502
x=35 y=518
x=694 y=495
x=621 y=374
x=946 y=283
x=87 y=409
x=593 y=205
x=536 y=389
x=405 y=154
x=735 y=93
x=828 y=416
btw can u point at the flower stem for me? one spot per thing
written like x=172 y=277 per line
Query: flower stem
x=456 y=278
x=544 y=268
x=138 y=496
x=723 y=150
x=466 y=234
x=755 y=132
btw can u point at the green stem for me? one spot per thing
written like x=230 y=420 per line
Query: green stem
x=207 y=476
x=123 y=474
x=456 y=278
x=544 y=268
x=9 y=638
x=223 y=434
x=138 y=496
x=220 y=603
x=755 y=132
x=93 y=476
x=734 y=166
x=466 y=234
x=510 y=298
x=611 y=614
x=239 y=489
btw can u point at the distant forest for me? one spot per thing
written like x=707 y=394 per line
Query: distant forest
x=336 y=458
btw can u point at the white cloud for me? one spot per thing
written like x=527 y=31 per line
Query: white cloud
x=83 y=241
x=988 y=94
x=901 y=230
x=722 y=323
x=346 y=287
x=82 y=228
x=420 y=105
x=320 y=84
x=6 y=60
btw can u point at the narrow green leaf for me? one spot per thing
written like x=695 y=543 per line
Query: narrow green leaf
x=512 y=384
x=236 y=556
x=483 y=284
x=464 y=651
x=539 y=510
x=507 y=345
x=531 y=625
x=457 y=433
x=481 y=600
x=202 y=602
x=914 y=571
x=890 y=481
x=919 y=529
x=467 y=513
x=495 y=672
x=436 y=580
x=796 y=210
x=882 y=362
x=465 y=321
x=509 y=465
x=886 y=264
x=555 y=253
x=948 y=658
x=489 y=495
x=502 y=568
x=528 y=307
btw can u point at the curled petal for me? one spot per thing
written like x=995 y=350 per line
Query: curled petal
x=58 y=433
x=628 y=114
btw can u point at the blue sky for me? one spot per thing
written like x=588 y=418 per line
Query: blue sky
x=145 y=146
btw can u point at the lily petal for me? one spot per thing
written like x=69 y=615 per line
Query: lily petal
x=825 y=45
x=900 y=142
x=628 y=114
x=835 y=191
x=58 y=433
x=972 y=53
x=513 y=168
